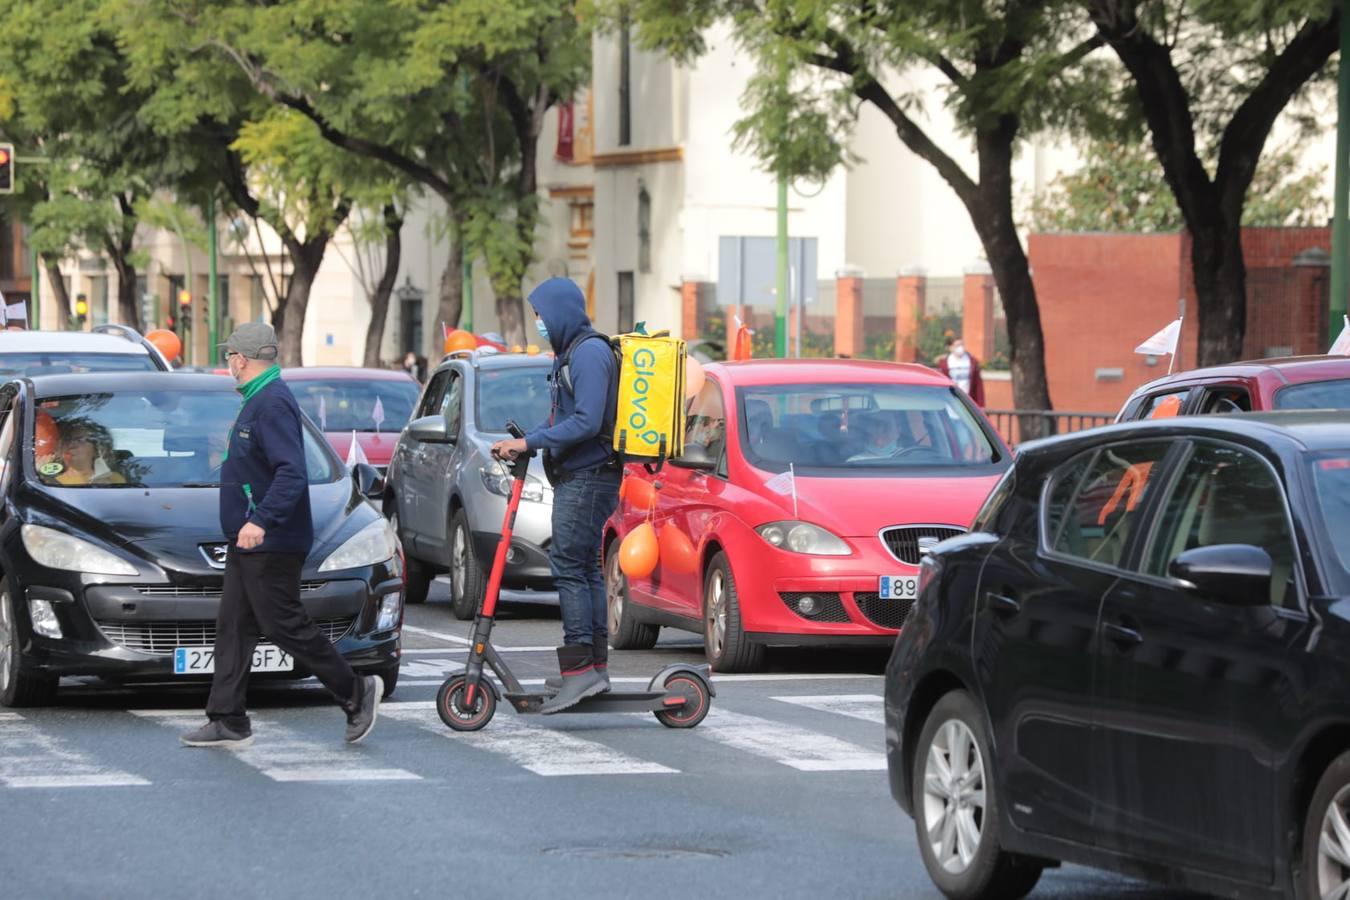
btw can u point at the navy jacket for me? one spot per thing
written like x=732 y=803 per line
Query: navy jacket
x=580 y=433
x=267 y=460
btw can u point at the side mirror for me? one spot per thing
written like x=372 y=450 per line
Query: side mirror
x=369 y=482
x=430 y=430
x=1236 y=574
x=695 y=457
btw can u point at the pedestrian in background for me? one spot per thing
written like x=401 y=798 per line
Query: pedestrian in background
x=415 y=366
x=265 y=514
x=963 y=368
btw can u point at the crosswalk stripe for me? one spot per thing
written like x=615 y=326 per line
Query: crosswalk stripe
x=539 y=749
x=281 y=755
x=800 y=748
x=30 y=758
x=867 y=707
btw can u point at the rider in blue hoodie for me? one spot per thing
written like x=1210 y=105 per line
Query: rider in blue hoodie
x=585 y=471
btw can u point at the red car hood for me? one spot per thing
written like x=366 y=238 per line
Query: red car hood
x=860 y=507
x=378 y=446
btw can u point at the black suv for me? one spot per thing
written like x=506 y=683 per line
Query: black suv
x=1139 y=659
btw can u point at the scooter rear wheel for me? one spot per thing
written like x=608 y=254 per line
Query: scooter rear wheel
x=456 y=713
x=697 y=701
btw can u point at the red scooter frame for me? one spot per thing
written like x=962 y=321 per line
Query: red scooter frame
x=680 y=695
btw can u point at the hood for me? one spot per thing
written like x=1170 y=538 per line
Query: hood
x=860 y=507
x=167 y=525
x=562 y=306
x=377 y=445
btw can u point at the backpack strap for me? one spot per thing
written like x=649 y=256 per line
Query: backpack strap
x=565 y=362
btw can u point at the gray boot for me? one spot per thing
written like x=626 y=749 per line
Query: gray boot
x=600 y=657
x=579 y=679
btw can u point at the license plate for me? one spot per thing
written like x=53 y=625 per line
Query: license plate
x=899 y=587
x=202 y=660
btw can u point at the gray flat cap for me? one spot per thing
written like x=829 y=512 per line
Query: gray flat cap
x=253 y=340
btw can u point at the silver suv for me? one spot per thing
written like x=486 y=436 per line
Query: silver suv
x=446 y=495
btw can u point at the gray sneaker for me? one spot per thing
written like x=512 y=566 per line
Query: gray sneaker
x=361 y=720
x=554 y=683
x=575 y=688
x=217 y=734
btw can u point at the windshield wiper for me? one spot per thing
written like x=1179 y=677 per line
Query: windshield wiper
x=203 y=484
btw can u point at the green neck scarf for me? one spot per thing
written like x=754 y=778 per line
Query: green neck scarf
x=258 y=383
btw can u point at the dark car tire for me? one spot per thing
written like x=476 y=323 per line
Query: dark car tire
x=724 y=641
x=417 y=575
x=388 y=675
x=1332 y=787
x=625 y=632
x=991 y=873
x=467 y=578
x=17 y=687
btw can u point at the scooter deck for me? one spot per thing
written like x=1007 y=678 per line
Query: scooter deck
x=645 y=701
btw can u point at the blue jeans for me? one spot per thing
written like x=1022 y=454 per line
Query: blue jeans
x=581 y=505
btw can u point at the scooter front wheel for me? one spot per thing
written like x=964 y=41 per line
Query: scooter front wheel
x=697 y=701
x=459 y=714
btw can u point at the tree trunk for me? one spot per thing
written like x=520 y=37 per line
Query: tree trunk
x=1221 y=292
x=128 y=309
x=59 y=292
x=450 y=304
x=289 y=317
x=511 y=314
x=379 y=301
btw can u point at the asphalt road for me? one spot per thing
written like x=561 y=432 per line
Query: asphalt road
x=781 y=792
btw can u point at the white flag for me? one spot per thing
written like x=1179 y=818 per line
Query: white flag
x=355 y=454
x=1163 y=343
x=323 y=413
x=782 y=483
x=378 y=414
x=1342 y=345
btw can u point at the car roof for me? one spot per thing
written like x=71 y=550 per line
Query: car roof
x=344 y=373
x=1290 y=369
x=813 y=371
x=1315 y=429
x=125 y=382
x=498 y=360
x=69 y=342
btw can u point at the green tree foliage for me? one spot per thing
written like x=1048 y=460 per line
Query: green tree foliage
x=1120 y=187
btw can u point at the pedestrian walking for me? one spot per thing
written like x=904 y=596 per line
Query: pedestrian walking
x=585 y=472
x=265 y=514
x=963 y=368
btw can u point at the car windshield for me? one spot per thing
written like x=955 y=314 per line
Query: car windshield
x=860 y=427
x=518 y=394
x=59 y=363
x=145 y=439
x=1315 y=395
x=355 y=404
x=1331 y=487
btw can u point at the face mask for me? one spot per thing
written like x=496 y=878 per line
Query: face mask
x=540 y=327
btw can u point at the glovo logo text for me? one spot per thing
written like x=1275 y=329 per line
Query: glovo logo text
x=644 y=370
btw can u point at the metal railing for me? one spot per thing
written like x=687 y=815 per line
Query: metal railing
x=1012 y=424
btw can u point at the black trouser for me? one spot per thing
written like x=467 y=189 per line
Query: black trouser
x=262 y=598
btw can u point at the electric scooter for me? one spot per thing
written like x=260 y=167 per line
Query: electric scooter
x=680 y=695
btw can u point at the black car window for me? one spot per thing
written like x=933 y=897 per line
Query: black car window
x=706 y=426
x=1226 y=399
x=67 y=362
x=1096 y=519
x=1331 y=486
x=434 y=394
x=1315 y=395
x=7 y=431
x=1160 y=406
x=1226 y=495
x=453 y=405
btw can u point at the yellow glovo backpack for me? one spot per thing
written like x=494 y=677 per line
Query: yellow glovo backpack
x=649 y=422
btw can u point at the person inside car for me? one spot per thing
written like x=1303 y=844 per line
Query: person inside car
x=82 y=445
x=881 y=438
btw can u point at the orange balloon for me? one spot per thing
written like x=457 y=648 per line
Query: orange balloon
x=640 y=494
x=460 y=340
x=677 y=551
x=693 y=377
x=166 y=342
x=639 y=552
x=46 y=436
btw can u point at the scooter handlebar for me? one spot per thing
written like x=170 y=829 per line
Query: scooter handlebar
x=522 y=463
x=514 y=430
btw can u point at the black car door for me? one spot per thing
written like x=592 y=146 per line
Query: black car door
x=1192 y=690
x=1036 y=626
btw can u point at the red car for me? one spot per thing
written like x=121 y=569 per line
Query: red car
x=1295 y=382
x=807 y=494
x=374 y=403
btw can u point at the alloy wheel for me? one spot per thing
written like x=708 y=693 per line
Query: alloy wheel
x=458 y=562
x=1333 y=850
x=716 y=625
x=6 y=641
x=614 y=591
x=953 y=796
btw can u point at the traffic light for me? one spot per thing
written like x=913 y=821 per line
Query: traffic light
x=6 y=168
x=81 y=310
x=185 y=308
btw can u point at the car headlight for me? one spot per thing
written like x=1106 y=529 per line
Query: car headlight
x=58 y=550
x=498 y=481
x=803 y=537
x=370 y=546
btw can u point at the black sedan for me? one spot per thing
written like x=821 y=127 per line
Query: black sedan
x=111 y=553
x=1139 y=659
